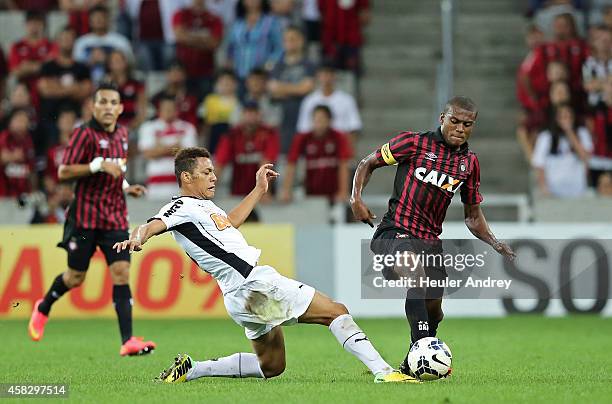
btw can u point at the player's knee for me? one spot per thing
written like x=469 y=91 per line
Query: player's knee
x=338 y=309
x=273 y=369
x=73 y=279
x=120 y=274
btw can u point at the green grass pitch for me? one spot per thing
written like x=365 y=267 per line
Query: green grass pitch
x=508 y=360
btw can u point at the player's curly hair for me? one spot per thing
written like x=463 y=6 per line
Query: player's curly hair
x=186 y=160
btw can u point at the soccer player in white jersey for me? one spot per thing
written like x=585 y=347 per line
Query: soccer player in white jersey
x=257 y=297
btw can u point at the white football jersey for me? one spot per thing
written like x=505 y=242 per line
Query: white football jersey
x=209 y=239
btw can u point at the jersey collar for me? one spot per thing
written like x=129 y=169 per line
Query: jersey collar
x=440 y=139
x=95 y=125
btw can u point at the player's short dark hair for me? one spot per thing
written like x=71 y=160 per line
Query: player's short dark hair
x=462 y=102
x=106 y=85
x=98 y=9
x=324 y=108
x=186 y=160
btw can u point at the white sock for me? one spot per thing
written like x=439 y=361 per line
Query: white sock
x=237 y=365
x=350 y=336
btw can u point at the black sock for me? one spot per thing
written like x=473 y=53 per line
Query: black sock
x=57 y=289
x=416 y=313
x=122 y=299
x=435 y=318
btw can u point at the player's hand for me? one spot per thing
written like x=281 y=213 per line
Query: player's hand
x=505 y=250
x=263 y=177
x=131 y=244
x=362 y=212
x=136 y=190
x=111 y=168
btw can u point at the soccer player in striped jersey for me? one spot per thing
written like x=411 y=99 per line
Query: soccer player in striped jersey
x=431 y=167
x=95 y=159
x=256 y=296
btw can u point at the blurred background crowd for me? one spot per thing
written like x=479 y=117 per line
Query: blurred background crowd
x=564 y=86
x=283 y=81
x=254 y=81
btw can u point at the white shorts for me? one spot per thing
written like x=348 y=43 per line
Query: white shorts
x=267 y=299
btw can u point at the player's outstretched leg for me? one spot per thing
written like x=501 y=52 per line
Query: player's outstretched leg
x=323 y=310
x=40 y=314
x=122 y=300
x=267 y=361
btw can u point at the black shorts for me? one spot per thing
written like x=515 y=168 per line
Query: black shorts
x=81 y=245
x=391 y=240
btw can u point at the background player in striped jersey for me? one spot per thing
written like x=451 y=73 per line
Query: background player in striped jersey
x=257 y=297
x=431 y=167
x=96 y=158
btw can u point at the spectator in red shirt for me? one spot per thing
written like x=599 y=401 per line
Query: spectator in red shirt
x=246 y=147
x=28 y=54
x=327 y=153
x=176 y=87
x=16 y=156
x=341 y=32
x=530 y=94
x=132 y=91
x=152 y=30
x=78 y=13
x=566 y=47
x=198 y=35
x=600 y=164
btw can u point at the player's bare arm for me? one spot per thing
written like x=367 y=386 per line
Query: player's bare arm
x=141 y=235
x=476 y=222
x=67 y=172
x=262 y=179
x=362 y=175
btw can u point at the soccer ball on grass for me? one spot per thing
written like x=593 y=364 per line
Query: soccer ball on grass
x=430 y=359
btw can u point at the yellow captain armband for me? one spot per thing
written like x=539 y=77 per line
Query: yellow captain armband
x=385 y=152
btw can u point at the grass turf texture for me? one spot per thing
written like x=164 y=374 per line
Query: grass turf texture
x=515 y=359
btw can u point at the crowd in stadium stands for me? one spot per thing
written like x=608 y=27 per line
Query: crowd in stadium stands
x=564 y=86
x=252 y=80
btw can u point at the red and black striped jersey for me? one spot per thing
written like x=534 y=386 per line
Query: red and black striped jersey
x=429 y=173
x=99 y=201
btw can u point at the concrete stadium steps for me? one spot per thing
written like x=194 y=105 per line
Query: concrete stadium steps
x=405 y=7
x=401 y=28
x=488 y=49
x=381 y=124
x=476 y=7
x=397 y=92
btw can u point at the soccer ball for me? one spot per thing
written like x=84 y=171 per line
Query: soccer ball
x=430 y=359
